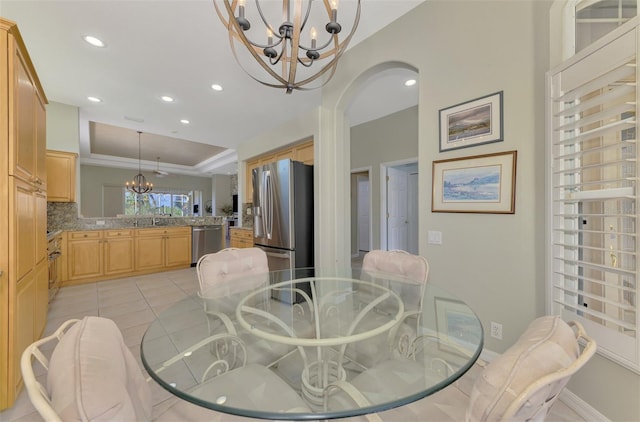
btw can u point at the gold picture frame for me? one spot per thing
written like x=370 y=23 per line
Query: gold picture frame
x=477 y=184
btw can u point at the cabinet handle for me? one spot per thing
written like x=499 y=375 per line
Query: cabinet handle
x=119 y=234
x=85 y=235
x=1 y=273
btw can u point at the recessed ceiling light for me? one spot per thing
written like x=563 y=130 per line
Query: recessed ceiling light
x=93 y=41
x=410 y=82
x=167 y=99
x=216 y=87
x=94 y=99
x=184 y=121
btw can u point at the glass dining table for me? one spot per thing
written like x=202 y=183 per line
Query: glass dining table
x=340 y=342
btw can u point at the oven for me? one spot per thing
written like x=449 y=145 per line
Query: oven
x=54 y=252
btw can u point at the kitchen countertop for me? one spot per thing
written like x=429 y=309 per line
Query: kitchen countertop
x=134 y=223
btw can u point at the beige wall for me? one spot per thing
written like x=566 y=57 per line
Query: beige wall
x=384 y=140
x=94 y=178
x=63 y=127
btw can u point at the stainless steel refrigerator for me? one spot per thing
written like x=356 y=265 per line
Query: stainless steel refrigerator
x=283 y=216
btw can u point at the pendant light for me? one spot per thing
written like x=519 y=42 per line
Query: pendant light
x=139 y=183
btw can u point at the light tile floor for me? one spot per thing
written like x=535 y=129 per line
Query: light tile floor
x=133 y=303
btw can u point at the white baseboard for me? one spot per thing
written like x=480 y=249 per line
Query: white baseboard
x=581 y=407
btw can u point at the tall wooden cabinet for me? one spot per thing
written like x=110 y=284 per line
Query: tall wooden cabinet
x=23 y=208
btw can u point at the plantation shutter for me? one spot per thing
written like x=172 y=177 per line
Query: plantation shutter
x=593 y=180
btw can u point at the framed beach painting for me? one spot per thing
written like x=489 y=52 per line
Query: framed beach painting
x=471 y=123
x=479 y=184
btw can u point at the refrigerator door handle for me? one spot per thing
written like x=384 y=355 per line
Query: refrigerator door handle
x=278 y=255
x=268 y=205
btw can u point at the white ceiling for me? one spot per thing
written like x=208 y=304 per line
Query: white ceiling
x=177 y=48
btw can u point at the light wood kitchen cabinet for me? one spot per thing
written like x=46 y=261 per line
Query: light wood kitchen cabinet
x=61 y=176
x=300 y=152
x=240 y=238
x=162 y=248
x=22 y=186
x=93 y=255
x=304 y=152
x=249 y=180
x=178 y=247
x=25 y=328
x=118 y=252
x=98 y=254
x=84 y=254
x=41 y=296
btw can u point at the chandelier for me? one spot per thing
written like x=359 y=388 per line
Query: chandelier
x=282 y=45
x=139 y=183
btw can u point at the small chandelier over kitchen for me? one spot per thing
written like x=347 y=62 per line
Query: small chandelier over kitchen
x=139 y=183
x=291 y=42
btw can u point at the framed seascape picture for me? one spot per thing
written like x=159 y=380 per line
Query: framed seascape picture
x=471 y=123
x=479 y=184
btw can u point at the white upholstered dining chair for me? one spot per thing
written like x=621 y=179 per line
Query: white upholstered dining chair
x=520 y=385
x=409 y=274
x=225 y=278
x=92 y=376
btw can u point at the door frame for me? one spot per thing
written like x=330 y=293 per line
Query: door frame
x=383 y=196
x=354 y=197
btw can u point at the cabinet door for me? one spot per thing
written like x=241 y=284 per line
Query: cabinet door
x=24 y=324
x=118 y=255
x=40 y=142
x=61 y=176
x=84 y=256
x=40 y=204
x=23 y=150
x=178 y=250
x=24 y=226
x=249 y=180
x=304 y=153
x=41 y=297
x=149 y=252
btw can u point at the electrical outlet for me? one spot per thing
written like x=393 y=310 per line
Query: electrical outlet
x=496 y=330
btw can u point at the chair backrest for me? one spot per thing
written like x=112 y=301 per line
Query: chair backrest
x=523 y=382
x=91 y=376
x=231 y=270
x=398 y=265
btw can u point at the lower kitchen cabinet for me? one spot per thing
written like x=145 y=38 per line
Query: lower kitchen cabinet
x=118 y=252
x=240 y=238
x=178 y=247
x=84 y=255
x=163 y=248
x=93 y=255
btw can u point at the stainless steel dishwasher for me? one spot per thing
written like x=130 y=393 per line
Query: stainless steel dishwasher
x=205 y=239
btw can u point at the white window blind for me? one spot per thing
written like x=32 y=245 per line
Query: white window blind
x=593 y=178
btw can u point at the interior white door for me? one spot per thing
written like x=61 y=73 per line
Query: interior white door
x=412 y=211
x=364 y=218
x=397 y=218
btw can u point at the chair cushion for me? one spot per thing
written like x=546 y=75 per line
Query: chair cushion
x=93 y=376
x=408 y=267
x=548 y=345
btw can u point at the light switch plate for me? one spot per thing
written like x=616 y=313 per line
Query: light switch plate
x=434 y=237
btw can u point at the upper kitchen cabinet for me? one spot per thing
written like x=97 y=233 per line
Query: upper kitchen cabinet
x=299 y=152
x=23 y=238
x=61 y=176
x=27 y=116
